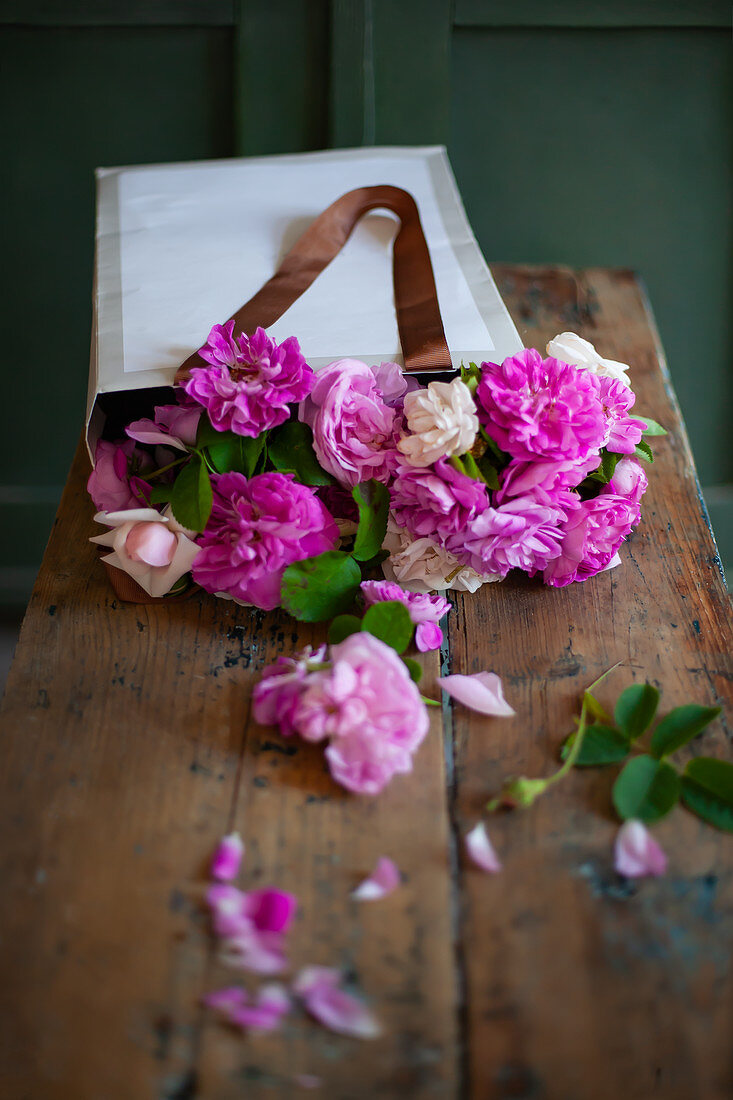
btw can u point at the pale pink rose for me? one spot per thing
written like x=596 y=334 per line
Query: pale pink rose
x=442 y=422
x=151 y=548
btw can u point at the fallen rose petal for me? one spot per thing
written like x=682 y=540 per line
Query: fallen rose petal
x=260 y=952
x=225 y=999
x=481 y=850
x=271 y=910
x=383 y=880
x=266 y=1013
x=227 y=858
x=481 y=691
x=308 y=1081
x=636 y=852
x=227 y=905
x=428 y=636
x=339 y=1011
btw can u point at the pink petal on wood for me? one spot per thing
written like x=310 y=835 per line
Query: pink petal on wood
x=481 y=850
x=271 y=910
x=271 y=1004
x=383 y=880
x=636 y=852
x=260 y=952
x=482 y=691
x=227 y=858
x=318 y=987
x=225 y=999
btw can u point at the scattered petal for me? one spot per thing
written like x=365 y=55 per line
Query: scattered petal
x=383 y=880
x=226 y=1000
x=481 y=850
x=482 y=691
x=271 y=910
x=318 y=987
x=636 y=852
x=272 y=1003
x=308 y=1081
x=227 y=905
x=260 y=952
x=428 y=636
x=227 y=858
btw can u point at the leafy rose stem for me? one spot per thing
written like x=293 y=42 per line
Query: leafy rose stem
x=164 y=469
x=523 y=791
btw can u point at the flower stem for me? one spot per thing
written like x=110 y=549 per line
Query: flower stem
x=164 y=469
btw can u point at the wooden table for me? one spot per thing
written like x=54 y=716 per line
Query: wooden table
x=129 y=750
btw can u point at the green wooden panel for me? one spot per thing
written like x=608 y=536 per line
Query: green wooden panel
x=72 y=100
x=390 y=72
x=117 y=13
x=281 y=76
x=581 y=13
x=613 y=148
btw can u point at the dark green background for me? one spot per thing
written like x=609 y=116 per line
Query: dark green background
x=582 y=133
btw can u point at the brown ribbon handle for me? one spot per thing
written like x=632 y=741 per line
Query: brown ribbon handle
x=424 y=346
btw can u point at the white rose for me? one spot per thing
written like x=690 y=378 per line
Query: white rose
x=570 y=348
x=442 y=421
x=419 y=565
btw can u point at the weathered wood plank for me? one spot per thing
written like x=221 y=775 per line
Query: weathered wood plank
x=579 y=985
x=128 y=752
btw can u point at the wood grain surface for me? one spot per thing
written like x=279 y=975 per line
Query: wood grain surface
x=128 y=750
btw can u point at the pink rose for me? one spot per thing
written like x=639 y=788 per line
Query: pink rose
x=152 y=549
x=354 y=428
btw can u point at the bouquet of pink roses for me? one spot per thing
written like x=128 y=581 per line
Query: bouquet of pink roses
x=356 y=494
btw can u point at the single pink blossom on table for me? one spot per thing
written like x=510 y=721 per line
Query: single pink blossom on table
x=540 y=408
x=384 y=879
x=275 y=697
x=481 y=850
x=256 y=529
x=480 y=691
x=111 y=485
x=519 y=533
x=425 y=610
x=591 y=538
x=371 y=710
x=151 y=548
x=623 y=432
x=319 y=989
x=227 y=858
x=172 y=425
x=436 y=502
x=636 y=852
x=354 y=428
x=250 y=380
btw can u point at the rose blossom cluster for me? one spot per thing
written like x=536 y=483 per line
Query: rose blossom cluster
x=358 y=698
x=501 y=473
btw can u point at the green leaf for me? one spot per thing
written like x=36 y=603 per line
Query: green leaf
x=680 y=726
x=652 y=428
x=431 y=702
x=161 y=494
x=372 y=500
x=236 y=453
x=606 y=470
x=643 y=450
x=192 y=497
x=343 y=626
x=373 y=563
x=206 y=433
x=322 y=587
x=488 y=470
x=414 y=668
x=646 y=789
x=290 y=448
x=707 y=790
x=601 y=745
x=390 y=622
x=635 y=708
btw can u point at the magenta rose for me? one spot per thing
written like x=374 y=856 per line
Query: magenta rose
x=256 y=529
x=437 y=501
x=250 y=380
x=112 y=484
x=536 y=408
x=591 y=538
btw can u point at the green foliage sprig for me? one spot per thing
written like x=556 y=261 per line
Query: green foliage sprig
x=649 y=784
